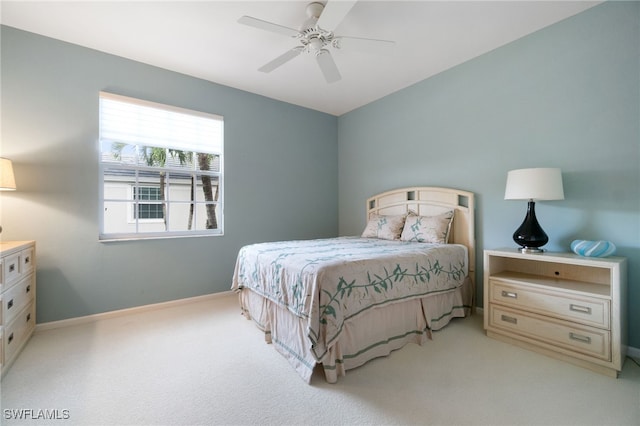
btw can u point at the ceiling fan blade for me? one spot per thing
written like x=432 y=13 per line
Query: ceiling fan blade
x=268 y=26
x=281 y=60
x=367 y=45
x=334 y=12
x=328 y=66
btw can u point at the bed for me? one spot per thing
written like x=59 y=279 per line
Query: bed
x=337 y=303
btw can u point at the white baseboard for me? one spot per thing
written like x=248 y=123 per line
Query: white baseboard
x=122 y=312
x=633 y=352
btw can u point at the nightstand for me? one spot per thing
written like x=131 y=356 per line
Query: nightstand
x=559 y=304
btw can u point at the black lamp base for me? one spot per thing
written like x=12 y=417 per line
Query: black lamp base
x=530 y=236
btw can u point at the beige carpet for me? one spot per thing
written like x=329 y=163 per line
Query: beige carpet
x=204 y=364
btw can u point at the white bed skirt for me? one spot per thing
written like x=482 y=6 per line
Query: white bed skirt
x=374 y=333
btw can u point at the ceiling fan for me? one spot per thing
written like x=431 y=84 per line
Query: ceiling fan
x=316 y=37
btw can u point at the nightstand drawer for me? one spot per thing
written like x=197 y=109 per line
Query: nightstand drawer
x=586 y=310
x=585 y=340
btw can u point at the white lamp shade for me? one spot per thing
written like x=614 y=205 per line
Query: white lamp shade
x=534 y=184
x=7 y=180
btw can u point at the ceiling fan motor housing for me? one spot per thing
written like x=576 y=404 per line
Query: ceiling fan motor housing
x=314 y=10
x=312 y=37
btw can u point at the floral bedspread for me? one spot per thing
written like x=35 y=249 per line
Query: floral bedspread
x=328 y=281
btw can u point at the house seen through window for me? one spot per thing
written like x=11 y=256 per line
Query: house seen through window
x=160 y=170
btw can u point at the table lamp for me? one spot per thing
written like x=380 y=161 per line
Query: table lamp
x=533 y=185
x=7 y=180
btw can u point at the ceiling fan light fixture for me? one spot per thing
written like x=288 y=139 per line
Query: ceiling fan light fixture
x=316 y=44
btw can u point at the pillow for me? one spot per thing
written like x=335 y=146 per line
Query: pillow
x=428 y=229
x=384 y=227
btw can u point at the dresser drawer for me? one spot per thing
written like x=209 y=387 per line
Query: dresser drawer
x=10 y=270
x=18 y=331
x=586 y=310
x=589 y=341
x=27 y=260
x=16 y=298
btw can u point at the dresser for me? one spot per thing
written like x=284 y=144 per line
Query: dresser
x=559 y=304
x=18 y=297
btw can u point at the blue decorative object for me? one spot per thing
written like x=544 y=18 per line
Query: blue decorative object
x=593 y=248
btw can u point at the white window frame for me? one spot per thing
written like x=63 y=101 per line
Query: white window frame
x=204 y=134
x=133 y=207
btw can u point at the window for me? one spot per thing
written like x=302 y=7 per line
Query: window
x=160 y=170
x=144 y=209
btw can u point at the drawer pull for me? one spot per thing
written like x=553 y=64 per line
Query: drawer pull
x=10 y=304
x=581 y=309
x=12 y=267
x=509 y=294
x=29 y=317
x=27 y=259
x=506 y=318
x=10 y=338
x=580 y=338
x=28 y=289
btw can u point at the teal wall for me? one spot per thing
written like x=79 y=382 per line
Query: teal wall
x=280 y=181
x=567 y=96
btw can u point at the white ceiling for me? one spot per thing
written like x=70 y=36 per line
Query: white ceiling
x=203 y=39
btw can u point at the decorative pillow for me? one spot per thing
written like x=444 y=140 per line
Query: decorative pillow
x=384 y=227
x=428 y=229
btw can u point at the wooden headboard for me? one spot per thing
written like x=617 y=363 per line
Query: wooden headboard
x=429 y=201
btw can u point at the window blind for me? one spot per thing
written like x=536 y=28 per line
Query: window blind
x=136 y=122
